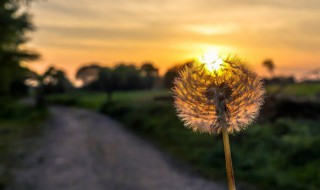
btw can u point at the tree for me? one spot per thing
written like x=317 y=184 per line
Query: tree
x=105 y=82
x=126 y=77
x=18 y=86
x=14 y=24
x=55 y=81
x=172 y=73
x=268 y=63
x=88 y=74
x=120 y=77
x=149 y=75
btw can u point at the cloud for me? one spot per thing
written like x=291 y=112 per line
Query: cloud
x=213 y=29
x=174 y=28
x=71 y=8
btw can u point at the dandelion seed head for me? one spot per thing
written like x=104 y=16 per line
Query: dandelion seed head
x=227 y=96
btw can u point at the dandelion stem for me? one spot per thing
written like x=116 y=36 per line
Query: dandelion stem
x=227 y=153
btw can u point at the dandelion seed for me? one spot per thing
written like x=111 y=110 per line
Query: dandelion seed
x=218 y=96
x=231 y=93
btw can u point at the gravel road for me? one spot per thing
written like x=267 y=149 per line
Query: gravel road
x=84 y=150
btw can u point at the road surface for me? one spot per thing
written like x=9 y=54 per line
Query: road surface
x=84 y=150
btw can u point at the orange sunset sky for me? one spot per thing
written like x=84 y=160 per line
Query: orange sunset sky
x=75 y=32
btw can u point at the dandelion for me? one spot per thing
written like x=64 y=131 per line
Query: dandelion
x=215 y=95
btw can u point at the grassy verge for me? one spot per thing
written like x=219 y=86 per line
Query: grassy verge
x=280 y=155
x=18 y=123
x=94 y=100
x=283 y=154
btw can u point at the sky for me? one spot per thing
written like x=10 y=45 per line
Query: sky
x=74 y=33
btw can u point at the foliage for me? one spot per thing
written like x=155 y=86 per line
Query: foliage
x=171 y=74
x=126 y=77
x=55 y=81
x=149 y=75
x=88 y=74
x=280 y=155
x=268 y=63
x=120 y=77
x=14 y=24
x=280 y=80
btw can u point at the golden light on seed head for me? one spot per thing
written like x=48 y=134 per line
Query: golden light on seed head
x=214 y=92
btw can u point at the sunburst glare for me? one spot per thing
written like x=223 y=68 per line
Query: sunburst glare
x=212 y=61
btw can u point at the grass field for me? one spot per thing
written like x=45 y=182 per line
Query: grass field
x=94 y=100
x=18 y=124
x=283 y=154
x=302 y=90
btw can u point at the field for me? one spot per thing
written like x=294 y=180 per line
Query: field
x=282 y=154
x=93 y=100
x=300 y=90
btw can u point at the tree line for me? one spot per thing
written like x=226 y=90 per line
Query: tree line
x=120 y=77
x=16 y=23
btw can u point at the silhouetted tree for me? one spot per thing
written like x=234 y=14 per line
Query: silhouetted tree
x=105 y=82
x=126 y=77
x=149 y=75
x=88 y=74
x=14 y=23
x=18 y=86
x=55 y=81
x=268 y=63
x=121 y=77
x=172 y=73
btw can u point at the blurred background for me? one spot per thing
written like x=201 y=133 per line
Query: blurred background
x=119 y=58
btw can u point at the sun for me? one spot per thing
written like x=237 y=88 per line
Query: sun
x=213 y=62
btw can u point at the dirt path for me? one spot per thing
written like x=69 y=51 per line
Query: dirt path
x=83 y=150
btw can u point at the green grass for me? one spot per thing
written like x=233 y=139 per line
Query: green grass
x=94 y=100
x=18 y=123
x=283 y=154
x=280 y=155
x=305 y=90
